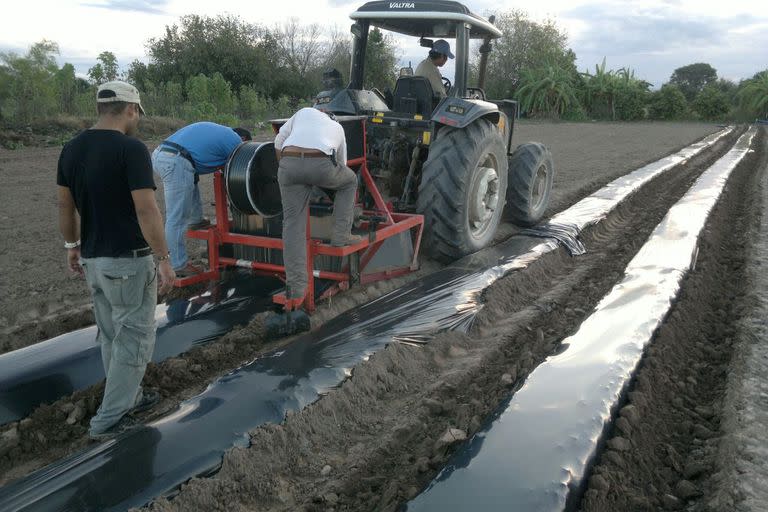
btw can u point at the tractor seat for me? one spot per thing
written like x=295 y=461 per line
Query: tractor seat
x=413 y=95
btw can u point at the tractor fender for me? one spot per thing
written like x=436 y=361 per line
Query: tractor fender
x=460 y=113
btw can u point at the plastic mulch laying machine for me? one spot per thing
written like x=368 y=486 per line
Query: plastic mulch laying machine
x=436 y=169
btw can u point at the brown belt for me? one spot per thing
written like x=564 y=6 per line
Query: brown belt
x=305 y=154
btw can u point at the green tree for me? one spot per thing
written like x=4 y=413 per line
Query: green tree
x=338 y=52
x=668 y=103
x=31 y=83
x=691 y=79
x=250 y=105
x=67 y=88
x=244 y=53
x=138 y=74
x=631 y=96
x=220 y=94
x=105 y=70
x=711 y=103
x=198 y=105
x=753 y=94
x=727 y=87
x=525 y=44
x=380 y=60
x=6 y=81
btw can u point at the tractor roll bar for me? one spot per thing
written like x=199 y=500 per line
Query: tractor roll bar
x=359 y=42
x=462 y=58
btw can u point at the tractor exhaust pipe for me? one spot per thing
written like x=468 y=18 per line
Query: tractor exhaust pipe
x=485 y=50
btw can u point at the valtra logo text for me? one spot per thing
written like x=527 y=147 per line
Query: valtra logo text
x=402 y=5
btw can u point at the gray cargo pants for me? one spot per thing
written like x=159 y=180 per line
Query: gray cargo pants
x=297 y=176
x=124 y=292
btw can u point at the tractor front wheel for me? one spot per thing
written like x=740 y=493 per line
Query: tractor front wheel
x=462 y=190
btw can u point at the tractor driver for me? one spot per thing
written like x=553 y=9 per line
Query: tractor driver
x=438 y=56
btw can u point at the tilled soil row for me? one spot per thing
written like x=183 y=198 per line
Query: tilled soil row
x=664 y=450
x=385 y=433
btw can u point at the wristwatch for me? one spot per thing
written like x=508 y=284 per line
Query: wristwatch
x=163 y=258
x=71 y=245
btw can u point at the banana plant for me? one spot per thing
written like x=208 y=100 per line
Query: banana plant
x=547 y=89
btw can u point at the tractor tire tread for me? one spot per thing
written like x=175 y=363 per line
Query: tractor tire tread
x=441 y=191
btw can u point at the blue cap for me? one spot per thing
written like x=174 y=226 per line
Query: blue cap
x=442 y=46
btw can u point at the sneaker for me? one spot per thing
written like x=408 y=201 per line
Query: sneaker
x=187 y=271
x=202 y=223
x=350 y=240
x=125 y=424
x=149 y=399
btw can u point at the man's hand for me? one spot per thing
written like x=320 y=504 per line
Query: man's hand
x=73 y=261
x=165 y=276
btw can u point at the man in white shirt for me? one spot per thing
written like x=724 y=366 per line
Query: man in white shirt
x=312 y=151
x=438 y=56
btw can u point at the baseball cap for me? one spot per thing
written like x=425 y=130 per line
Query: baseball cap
x=118 y=90
x=442 y=46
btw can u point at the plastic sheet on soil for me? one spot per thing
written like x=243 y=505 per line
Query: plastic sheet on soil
x=534 y=454
x=48 y=370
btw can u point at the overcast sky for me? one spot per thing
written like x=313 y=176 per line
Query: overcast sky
x=651 y=36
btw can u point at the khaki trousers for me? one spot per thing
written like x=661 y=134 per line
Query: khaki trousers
x=297 y=176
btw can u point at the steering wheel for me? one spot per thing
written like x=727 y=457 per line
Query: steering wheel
x=446 y=84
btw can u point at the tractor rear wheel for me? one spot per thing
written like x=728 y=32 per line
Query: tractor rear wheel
x=462 y=190
x=531 y=172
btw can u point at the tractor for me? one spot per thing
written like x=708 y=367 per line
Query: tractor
x=449 y=159
x=435 y=171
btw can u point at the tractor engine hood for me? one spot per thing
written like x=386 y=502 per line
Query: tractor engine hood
x=350 y=102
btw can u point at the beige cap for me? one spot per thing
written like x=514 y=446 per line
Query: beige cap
x=118 y=91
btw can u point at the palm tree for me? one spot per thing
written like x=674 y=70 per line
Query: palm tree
x=754 y=93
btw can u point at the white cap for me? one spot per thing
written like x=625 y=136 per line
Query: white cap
x=118 y=90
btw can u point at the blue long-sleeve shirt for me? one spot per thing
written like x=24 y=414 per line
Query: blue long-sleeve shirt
x=210 y=144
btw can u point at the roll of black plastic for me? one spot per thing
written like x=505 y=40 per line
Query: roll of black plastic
x=251 y=179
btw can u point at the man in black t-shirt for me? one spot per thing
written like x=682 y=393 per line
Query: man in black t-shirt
x=105 y=176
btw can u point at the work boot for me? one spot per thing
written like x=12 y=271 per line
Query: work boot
x=188 y=270
x=280 y=325
x=125 y=424
x=202 y=223
x=349 y=240
x=149 y=399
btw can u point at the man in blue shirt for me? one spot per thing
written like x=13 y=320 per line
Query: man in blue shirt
x=199 y=148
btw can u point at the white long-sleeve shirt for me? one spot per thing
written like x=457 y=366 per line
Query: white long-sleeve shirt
x=310 y=128
x=427 y=69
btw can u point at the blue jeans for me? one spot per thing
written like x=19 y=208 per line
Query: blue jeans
x=124 y=292
x=182 y=201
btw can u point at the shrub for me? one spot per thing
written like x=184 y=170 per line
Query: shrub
x=711 y=103
x=668 y=103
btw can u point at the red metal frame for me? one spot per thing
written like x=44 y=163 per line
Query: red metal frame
x=394 y=224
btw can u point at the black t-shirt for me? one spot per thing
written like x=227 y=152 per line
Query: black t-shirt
x=101 y=168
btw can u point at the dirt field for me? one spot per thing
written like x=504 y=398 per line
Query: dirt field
x=381 y=451
x=42 y=300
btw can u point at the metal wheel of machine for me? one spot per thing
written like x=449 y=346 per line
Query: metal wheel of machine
x=531 y=173
x=462 y=190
